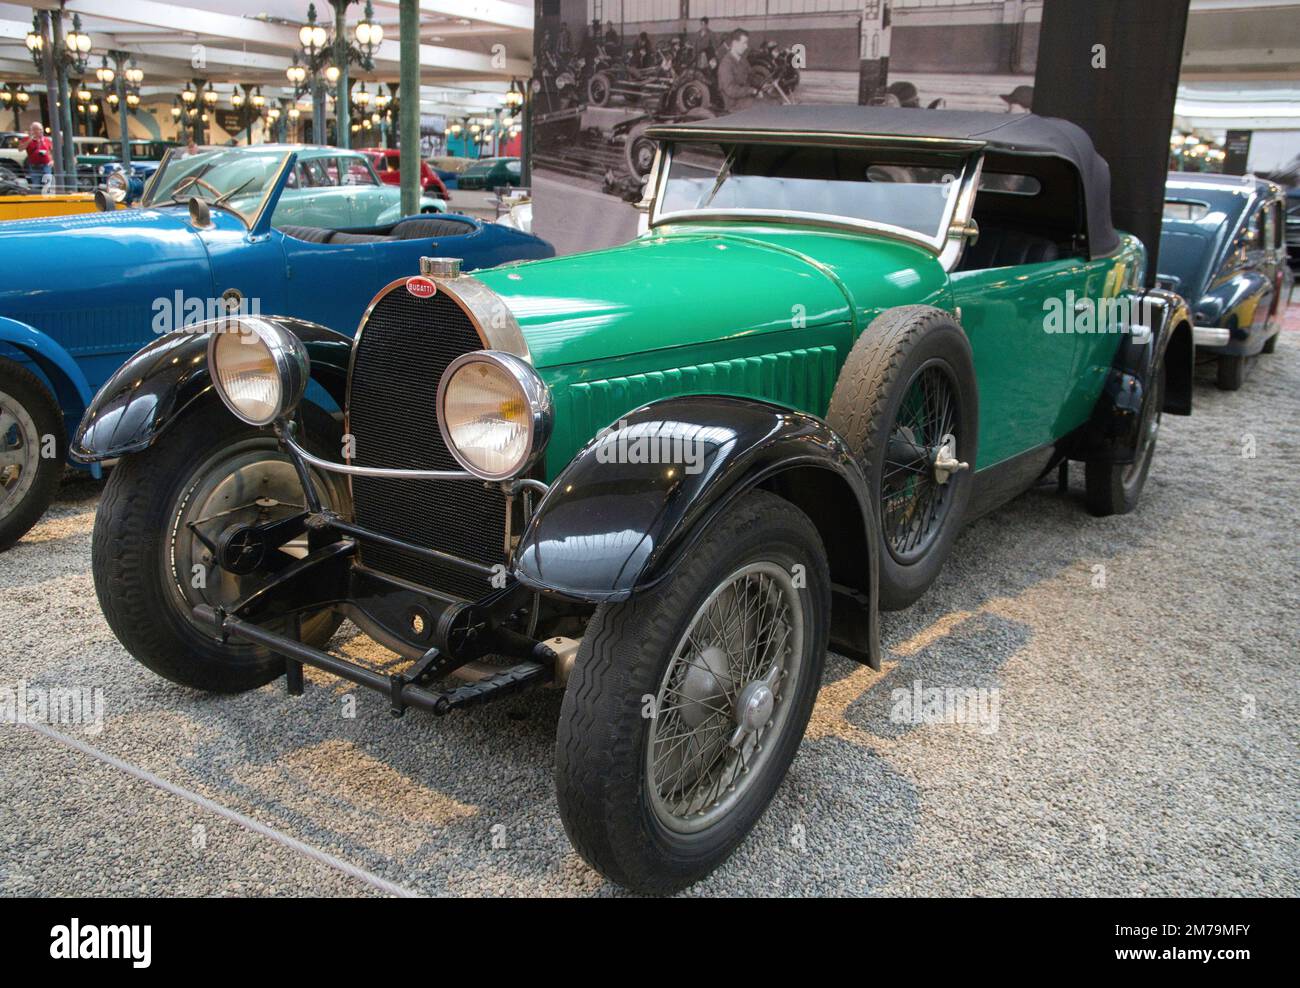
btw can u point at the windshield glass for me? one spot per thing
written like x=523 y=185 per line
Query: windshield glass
x=878 y=186
x=237 y=179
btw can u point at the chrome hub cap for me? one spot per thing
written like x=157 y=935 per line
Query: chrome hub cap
x=248 y=484
x=753 y=711
x=723 y=700
x=920 y=461
x=20 y=453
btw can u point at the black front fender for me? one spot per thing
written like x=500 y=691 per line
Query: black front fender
x=155 y=386
x=640 y=496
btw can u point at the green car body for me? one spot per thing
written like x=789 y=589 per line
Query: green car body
x=670 y=475
x=633 y=329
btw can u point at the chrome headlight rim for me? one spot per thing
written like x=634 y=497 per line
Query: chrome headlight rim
x=288 y=356
x=118 y=185
x=534 y=392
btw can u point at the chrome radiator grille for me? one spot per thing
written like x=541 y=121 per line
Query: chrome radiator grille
x=404 y=347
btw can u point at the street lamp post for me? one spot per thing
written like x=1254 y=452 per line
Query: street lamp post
x=382 y=102
x=70 y=51
x=16 y=98
x=40 y=42
x=515 y=102
x=127 y=78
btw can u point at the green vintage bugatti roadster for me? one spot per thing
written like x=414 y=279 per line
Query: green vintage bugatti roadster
x=666 y=477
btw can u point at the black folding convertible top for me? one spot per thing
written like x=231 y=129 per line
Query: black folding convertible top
x=1009 y=133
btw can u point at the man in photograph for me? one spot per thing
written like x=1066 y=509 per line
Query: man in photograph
x=733 y=73
x=705 y=47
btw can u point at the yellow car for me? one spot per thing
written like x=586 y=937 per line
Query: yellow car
x=30 y=206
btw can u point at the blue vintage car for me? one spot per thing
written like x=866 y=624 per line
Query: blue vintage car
x=216 y=232
x=1223 y=248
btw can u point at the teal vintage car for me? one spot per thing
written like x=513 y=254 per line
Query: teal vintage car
x=335 y=188
x=491 y=173
x=666 y=476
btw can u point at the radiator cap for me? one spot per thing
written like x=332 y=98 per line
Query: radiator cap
x=440 y=267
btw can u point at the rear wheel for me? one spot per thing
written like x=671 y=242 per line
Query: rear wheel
x=1271 y=345
x=687 y=703
x=1114 y=488
x=906 y=403
x=1232 y=373
x=157 y=534
x=32 y=448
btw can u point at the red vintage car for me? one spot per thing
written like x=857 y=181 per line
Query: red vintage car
x=387 y=162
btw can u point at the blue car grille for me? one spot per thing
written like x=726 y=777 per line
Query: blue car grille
x=401 y=352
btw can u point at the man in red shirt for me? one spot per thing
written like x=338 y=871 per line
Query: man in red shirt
x=40 y=156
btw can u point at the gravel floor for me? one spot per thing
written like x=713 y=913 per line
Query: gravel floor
x=1146 y=734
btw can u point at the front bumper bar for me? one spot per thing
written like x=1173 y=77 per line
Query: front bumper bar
x=409 y=689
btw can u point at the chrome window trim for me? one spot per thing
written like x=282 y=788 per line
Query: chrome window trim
x=939 y=244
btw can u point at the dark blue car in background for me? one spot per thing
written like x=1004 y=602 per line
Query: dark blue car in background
x=1223 y=248
x=80 y=294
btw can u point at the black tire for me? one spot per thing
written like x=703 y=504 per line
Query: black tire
x=602 y=775
x=600 y=88
x=139 y=590
x=1231 y=373
x=880 y=370
x=1114 y=488
x=639 y=151
x=692 y=95
x=35 y=412
x=1270 y=345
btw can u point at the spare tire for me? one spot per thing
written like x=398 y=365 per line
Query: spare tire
x=906 y=402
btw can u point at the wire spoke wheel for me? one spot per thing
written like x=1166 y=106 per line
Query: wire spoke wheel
x=721 y=702
x=913 y=501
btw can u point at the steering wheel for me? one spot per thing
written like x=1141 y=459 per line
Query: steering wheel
x=195 y=180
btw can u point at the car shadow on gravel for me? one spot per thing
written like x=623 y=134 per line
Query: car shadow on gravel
x=967 y=659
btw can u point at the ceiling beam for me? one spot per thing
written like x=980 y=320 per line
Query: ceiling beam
x=497 y=13
x=187 y=20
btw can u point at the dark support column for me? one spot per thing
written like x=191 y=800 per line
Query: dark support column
x=120 y=81
x=342 y=107
x=1112 y=68
x=51 y=100
x=409 y=135
x=64 y=108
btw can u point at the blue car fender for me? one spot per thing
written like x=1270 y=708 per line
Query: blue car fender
x=71 y=389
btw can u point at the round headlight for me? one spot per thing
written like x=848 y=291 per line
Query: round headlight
x=494 y=413
x=260 y=369
x=117 y=184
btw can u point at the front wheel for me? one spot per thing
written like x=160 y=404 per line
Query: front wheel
x=31 y=451
x=156 y=545
x=687 y=702
x=599 y=88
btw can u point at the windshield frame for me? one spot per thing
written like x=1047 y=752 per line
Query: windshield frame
x=960 y=197
x=250 y=221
